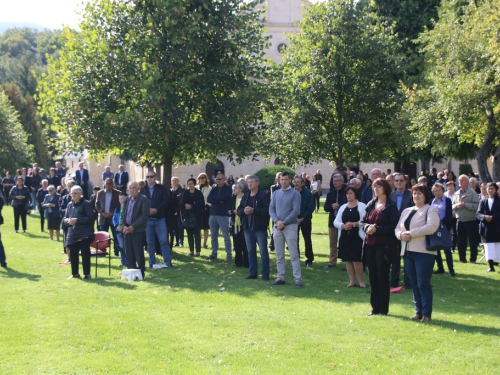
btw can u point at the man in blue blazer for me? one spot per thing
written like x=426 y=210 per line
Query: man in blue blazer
x=121 y=179
x=82 y=179
x=402 y=197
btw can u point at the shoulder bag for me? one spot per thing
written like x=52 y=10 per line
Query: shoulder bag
x=440 y=240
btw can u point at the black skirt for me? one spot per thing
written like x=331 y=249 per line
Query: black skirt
x=350 y=244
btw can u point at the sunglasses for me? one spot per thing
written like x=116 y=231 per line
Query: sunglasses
x=150 y=176
x=378 y=186
x=218 y=179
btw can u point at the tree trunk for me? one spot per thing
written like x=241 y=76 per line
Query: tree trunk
x=158 y=171
x=167 y=171
x=496 y=165
x=485 y=150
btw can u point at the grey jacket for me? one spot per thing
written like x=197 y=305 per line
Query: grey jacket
x=471 y=200
x=285 y=206
x=140 y=213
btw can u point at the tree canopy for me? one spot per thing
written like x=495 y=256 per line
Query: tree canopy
x=335 y=94
x=15 y=152
x=169 y=82
x=459 y=96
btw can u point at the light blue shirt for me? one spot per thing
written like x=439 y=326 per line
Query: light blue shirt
x=441 y=206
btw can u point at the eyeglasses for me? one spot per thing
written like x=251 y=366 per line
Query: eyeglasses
x=150 y=176
x=398 y=180
x=377 y=186
x=218 y=179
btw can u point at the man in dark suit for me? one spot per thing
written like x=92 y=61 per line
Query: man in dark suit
x=156 y=226
x=82 y=179
x=107 y=201
x=60 y=171
x=335 y=198
x=133 y=224
x=402 y=197
x=121 y=179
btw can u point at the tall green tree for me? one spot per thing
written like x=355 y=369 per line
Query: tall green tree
x=459 y=97
x=26 y=108
x=335 y=93
x=169 y=82
x=15 y=151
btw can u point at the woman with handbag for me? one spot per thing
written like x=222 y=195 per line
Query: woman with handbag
x=414 y=225
x=351 y=236
x=488 y=214
x=443 y=204
x=205 y=188
x=239 y=244
x=21 y=202
x=381 y=247
x=51 y=207
x=191 y=206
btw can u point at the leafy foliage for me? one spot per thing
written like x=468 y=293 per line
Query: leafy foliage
x=335 y=93
x=267 y=175
x=168 y=82
x=15 y=151
x=458 y=99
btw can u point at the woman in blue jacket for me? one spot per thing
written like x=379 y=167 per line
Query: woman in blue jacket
x=443 y=204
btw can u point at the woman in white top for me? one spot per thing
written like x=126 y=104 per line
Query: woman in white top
x=315 y=186
x=204 y=187
x=351 y=236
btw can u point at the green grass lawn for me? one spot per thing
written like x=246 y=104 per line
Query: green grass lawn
x=202 y=318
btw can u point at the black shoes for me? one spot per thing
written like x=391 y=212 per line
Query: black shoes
x=265 y=278
x=278 y=282
x=309 y=263
x=251 y=277
x=438 y=272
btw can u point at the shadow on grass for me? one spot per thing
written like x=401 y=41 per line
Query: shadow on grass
x=453 y=326
x=21 y=275
x=115 y=283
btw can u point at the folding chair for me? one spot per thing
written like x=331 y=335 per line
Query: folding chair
x=101 y=244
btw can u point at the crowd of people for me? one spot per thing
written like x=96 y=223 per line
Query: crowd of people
x=373 y=222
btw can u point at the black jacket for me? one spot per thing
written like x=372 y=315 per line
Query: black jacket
x=260 y=210
x=15 y=191
x=84 y=227
x=219 y=199
x=197 y=200
x=389 y=218
x=331 y=198
x=158 y=201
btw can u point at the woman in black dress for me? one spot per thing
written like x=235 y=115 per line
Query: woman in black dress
x=239 y=243
x=351 y=236
x=488 y=214
x=381 y=245
x=191 y=206
x=20 y=196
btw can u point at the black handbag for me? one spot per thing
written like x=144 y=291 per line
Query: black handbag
x=190 y=222
x=440 y=240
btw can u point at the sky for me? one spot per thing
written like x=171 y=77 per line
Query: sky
x=53 y=14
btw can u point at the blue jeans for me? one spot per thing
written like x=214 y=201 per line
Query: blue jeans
x=418 y=267
x=252 y=238
x=105 y=228
x=222 y=223
x=158 y=228
x=121 y=244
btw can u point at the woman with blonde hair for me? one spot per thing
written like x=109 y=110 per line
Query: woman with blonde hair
x=204 y=186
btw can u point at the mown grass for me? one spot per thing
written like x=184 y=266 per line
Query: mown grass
x=203 y=318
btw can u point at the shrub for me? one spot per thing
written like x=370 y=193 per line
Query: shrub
x=267 y=174
x=464 y=169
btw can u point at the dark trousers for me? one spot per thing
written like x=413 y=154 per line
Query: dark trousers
x=306 y=229
x=453 y=232
x=395 y=271
x=105 y=228
x=3 y=260
x=449 y=260
x=173 y=234
x=194 y=238
x=240 y=249
x=134 y=250
x=378 y=271
x=74 y=249
x=19 y=212
x=179 y=230
x=467 y=230
x=41 y=209
x=316 y=197
x=271 y=241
